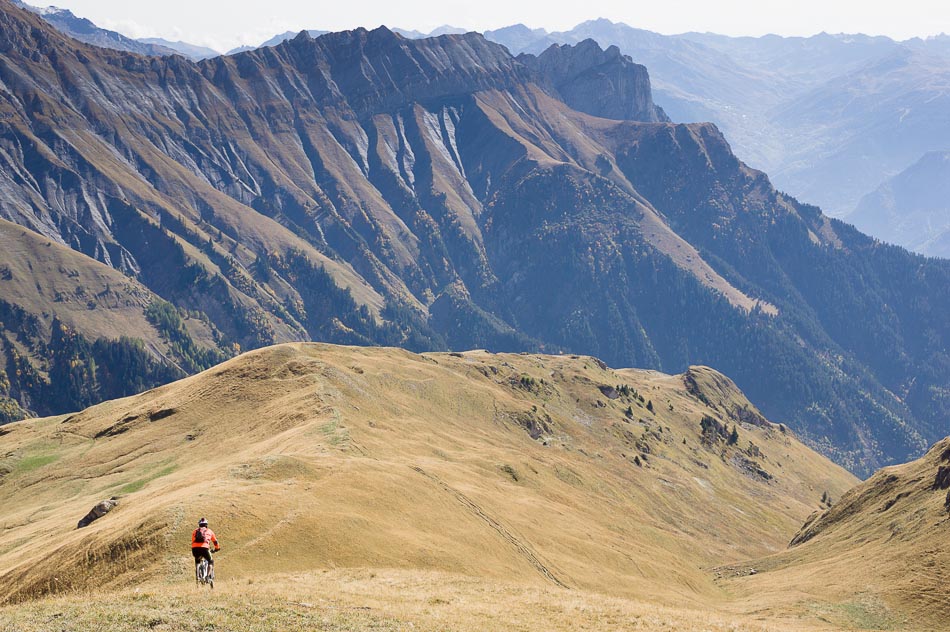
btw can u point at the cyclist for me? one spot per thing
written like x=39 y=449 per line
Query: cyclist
x=201 y=540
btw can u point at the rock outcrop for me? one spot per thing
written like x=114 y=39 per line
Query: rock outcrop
x=101 y=508
x=601 y=82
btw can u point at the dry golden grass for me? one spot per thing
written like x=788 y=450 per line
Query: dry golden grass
x=371 y=599
x=312 y=457
x=879 y=557
x=48 y=279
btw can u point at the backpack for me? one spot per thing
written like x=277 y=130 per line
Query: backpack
x=200 y=535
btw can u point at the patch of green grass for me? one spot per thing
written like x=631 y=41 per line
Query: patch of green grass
x=867 y=614
x=329 y=428
x=35 y=462
x=335 y=433
x=135 y=486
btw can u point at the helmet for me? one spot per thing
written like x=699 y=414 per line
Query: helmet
x=202 y=523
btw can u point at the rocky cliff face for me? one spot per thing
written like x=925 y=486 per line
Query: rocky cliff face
x=368 y=189
x=600 y=82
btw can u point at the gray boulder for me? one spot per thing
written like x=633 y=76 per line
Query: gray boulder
x=102 y=508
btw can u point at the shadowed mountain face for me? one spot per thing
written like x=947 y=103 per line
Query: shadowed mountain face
x=829 y=117
x=365 y=188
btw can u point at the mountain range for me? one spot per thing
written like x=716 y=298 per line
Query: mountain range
x=829 y=117
x=173 y=232
x=365 y=188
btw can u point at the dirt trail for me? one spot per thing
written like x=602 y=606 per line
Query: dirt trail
x=520 y=545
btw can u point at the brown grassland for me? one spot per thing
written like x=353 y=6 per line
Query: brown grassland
x=374 y=489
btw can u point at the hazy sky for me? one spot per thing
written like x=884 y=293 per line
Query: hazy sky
x=224 y=24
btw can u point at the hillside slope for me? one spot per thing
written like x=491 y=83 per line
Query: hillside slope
x=74 y=331
x=549 y=471
x=363 y=188
x=882 y=548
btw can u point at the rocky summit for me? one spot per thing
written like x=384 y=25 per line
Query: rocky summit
x=364 y=188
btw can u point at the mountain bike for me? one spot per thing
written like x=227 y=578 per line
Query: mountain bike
x=204 y=572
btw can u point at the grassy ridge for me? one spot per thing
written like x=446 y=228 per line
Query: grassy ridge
x=549 y=473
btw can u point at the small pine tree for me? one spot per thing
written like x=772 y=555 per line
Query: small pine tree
x=650 y=405
x=733 y=437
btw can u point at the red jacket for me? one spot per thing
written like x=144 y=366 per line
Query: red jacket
x=209 y=539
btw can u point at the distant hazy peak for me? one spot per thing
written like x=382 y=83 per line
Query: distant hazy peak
x=447 y=29
x=600 y=22
x=408 y=33
x=187 y=49
x=86 y=31
x=518 y=28
x=911 y=209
